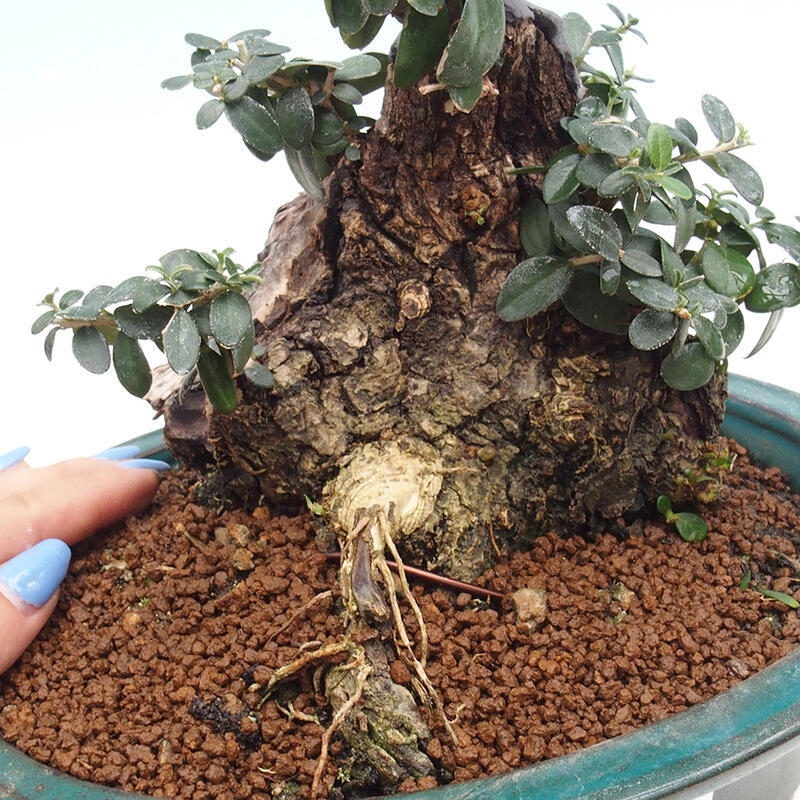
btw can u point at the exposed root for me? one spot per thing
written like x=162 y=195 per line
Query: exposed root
x=300 y=611
x=323 y=653
x=364 y=670
x=363 y=555
x=400 y=628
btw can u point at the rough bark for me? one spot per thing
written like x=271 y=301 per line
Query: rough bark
x=378 y=316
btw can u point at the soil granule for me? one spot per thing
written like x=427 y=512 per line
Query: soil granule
x=148 y=675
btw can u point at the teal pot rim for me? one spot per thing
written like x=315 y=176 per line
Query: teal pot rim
x=694 y=746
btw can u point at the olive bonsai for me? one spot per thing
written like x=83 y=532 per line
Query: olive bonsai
x=503 y=307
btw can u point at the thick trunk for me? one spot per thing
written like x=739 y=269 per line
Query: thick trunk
x=378 y=315
x=408 y=407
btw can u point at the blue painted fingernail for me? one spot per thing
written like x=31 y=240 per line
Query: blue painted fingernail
x=118 y=453
x=146 y=463
x=13 y=457
x=33 y=576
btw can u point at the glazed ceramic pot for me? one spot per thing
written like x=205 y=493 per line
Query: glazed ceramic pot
x=742 y=745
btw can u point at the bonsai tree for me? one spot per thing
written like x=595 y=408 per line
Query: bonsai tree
x=502 y=308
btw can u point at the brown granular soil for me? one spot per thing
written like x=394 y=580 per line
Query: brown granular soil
x=147 y=677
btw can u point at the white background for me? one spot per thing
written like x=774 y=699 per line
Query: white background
x=104 y=171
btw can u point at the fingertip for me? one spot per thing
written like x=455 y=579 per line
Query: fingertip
x=31 y=578
x=20 y=628
x=13 y=457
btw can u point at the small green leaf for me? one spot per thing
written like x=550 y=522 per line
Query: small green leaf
x=349 y=16
x=475 y=46
x=589 y=305
x=243 y=351
x=531 y=286
x=664 y=504
x=733 y=332
x=43 y=321
x=295 y=116
x=379 y=7
x=613 y=137
x=785 y=237
x=691 y=527
x=257 y=43
x=235 y=90
x=209 y=113
x=654 y=293
x=744 y=583
x=230 y=319
x=744 y=178
x=131 y=366
x=534 y=228
x=590 y=108
x=566 y=236
x=465 y=97
x=689 y=132
x=259 y=375
x=91 y=350
x=716 y=270
x=781 y=597
x=676 y=187
x=578 y=129
x=177 y=82
x=328 y=130
x=428 y=7
x=358 y=67
x=181 y=342
x=304 y=168
x=148 y=324
x=578 y=33
x=128 y=289
x=217 y=381
x=616 y=183
x=685 y=224
x=710 y=336
x=767 y=333
x=776 y=286
x=641 y=263
x=597 y=230
x=256 y=124
x=70 y=298
x=689 y=368
x=361 y=38
x=610 y=275
x=347 y=93
x=420 y=46
x=671 y=264
x=560 y=181
x=202 y=42
x=96 y=299
x=659 y=146
x=719 y=118
x=49 y=340
x=650 y=329
x=604 y=38
x=596 y=167
x=259 y=68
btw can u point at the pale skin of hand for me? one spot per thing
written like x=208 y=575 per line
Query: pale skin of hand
x=67 y=501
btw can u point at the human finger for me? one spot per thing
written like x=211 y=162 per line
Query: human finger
x=72 y=499
x=28 y=594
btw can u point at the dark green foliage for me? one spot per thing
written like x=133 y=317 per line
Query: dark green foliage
x=301 y=106
x=193 y=312
x=621 y=211
x=621 y=235
x=274 y=103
